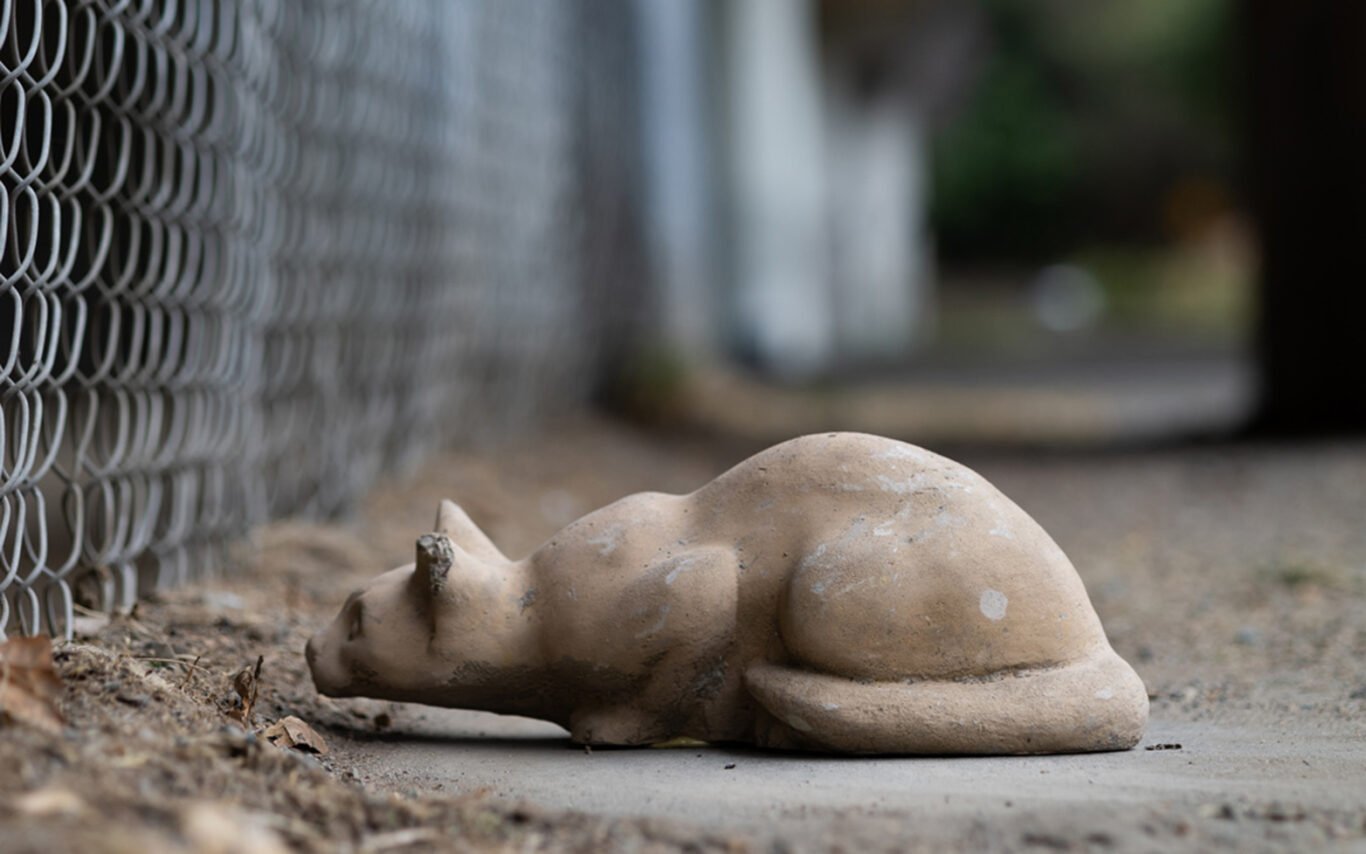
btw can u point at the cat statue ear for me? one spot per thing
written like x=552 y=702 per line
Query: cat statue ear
x=455 y=523
x=435 y=557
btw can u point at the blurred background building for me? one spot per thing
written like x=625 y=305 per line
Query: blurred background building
x=789 y=174
x=838 y=187
x=1075 y=198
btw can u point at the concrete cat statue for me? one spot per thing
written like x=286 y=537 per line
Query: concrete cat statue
x=837 y=592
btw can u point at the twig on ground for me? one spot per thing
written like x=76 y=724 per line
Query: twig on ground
x=189 y=674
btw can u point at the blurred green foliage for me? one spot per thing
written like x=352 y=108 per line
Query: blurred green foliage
x=1200 y=289
x=1083 y=118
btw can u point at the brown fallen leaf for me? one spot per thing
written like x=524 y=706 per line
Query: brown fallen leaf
x=293 y=732
x=408 y=837
x=89 y=625
x=29 y=685
x=130 y=760
x=48 y=802
x=219 y=828
x=247 y=684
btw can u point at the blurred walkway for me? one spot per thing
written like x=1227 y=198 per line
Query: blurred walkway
x=1113 y=398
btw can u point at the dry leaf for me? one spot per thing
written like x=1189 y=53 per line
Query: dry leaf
x=89 y=625
x=215 y=828
x=247 y=684
x=293 y=732
x=408 y=837
x=48 y=802
x=130 y=760
x=29 y=685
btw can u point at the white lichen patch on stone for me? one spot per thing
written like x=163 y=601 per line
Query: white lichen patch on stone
x=814 y=558
x=855 y=584
x=945 y=519
x=608 y=540
x=993 y=605
x=682 y=565
x=900 y=452
x=914 y=483
x=798 y=723
x=1105 y=694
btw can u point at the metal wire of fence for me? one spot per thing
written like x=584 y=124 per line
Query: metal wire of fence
x=252 y=254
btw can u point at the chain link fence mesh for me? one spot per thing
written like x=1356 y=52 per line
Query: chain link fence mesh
x=254 y=253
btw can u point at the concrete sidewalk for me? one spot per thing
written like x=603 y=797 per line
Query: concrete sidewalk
x=1219 y=780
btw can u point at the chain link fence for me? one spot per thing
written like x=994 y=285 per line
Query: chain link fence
x=253 y=253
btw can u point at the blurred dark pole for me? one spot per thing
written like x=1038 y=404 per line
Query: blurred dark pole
x=1306 y=66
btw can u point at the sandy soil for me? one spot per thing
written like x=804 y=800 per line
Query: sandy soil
x=1234 y=579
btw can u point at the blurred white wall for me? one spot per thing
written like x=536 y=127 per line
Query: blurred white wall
x=781 y=251
x=882 y=260
x=677 y=122
x=787 y=205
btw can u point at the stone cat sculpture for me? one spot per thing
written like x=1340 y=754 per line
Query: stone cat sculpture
x=837 y=592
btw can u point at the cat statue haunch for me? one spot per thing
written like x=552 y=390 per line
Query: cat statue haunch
x=837 y=592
